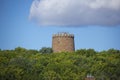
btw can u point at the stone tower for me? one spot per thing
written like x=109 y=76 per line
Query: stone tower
x=63 y=42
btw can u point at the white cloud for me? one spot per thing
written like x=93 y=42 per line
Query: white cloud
x=76 y=12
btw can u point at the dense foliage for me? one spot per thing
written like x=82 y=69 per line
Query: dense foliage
x=46 y=50
x=23 y=64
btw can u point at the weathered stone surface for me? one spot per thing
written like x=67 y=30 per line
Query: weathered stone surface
x=63 y=42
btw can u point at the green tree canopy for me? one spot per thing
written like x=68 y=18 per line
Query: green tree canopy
x=23 y=64
x=46 y=50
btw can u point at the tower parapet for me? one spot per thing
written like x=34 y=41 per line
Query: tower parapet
x=63 y=42
x=63 y=34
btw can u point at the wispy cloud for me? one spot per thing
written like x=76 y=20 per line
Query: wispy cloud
x=76 y=12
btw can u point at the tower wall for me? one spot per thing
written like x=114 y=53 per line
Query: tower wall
x=63 y=42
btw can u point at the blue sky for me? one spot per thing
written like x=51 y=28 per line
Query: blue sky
x=16 y=29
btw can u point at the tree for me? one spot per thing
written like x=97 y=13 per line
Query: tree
x=32 y=51
x=46 y=50
x=20 y=49
x=87 y=52
x=113 y=51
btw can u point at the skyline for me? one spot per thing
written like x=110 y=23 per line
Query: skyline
x=17 y=29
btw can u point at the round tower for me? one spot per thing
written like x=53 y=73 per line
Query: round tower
x=63 y=42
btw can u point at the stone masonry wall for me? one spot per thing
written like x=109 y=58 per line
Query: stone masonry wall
x=63 y=42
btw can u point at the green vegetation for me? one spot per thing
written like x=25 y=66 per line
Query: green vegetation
x=23 y=64
x=46 y=50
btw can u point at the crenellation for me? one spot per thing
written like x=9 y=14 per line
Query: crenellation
x=63 y=35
